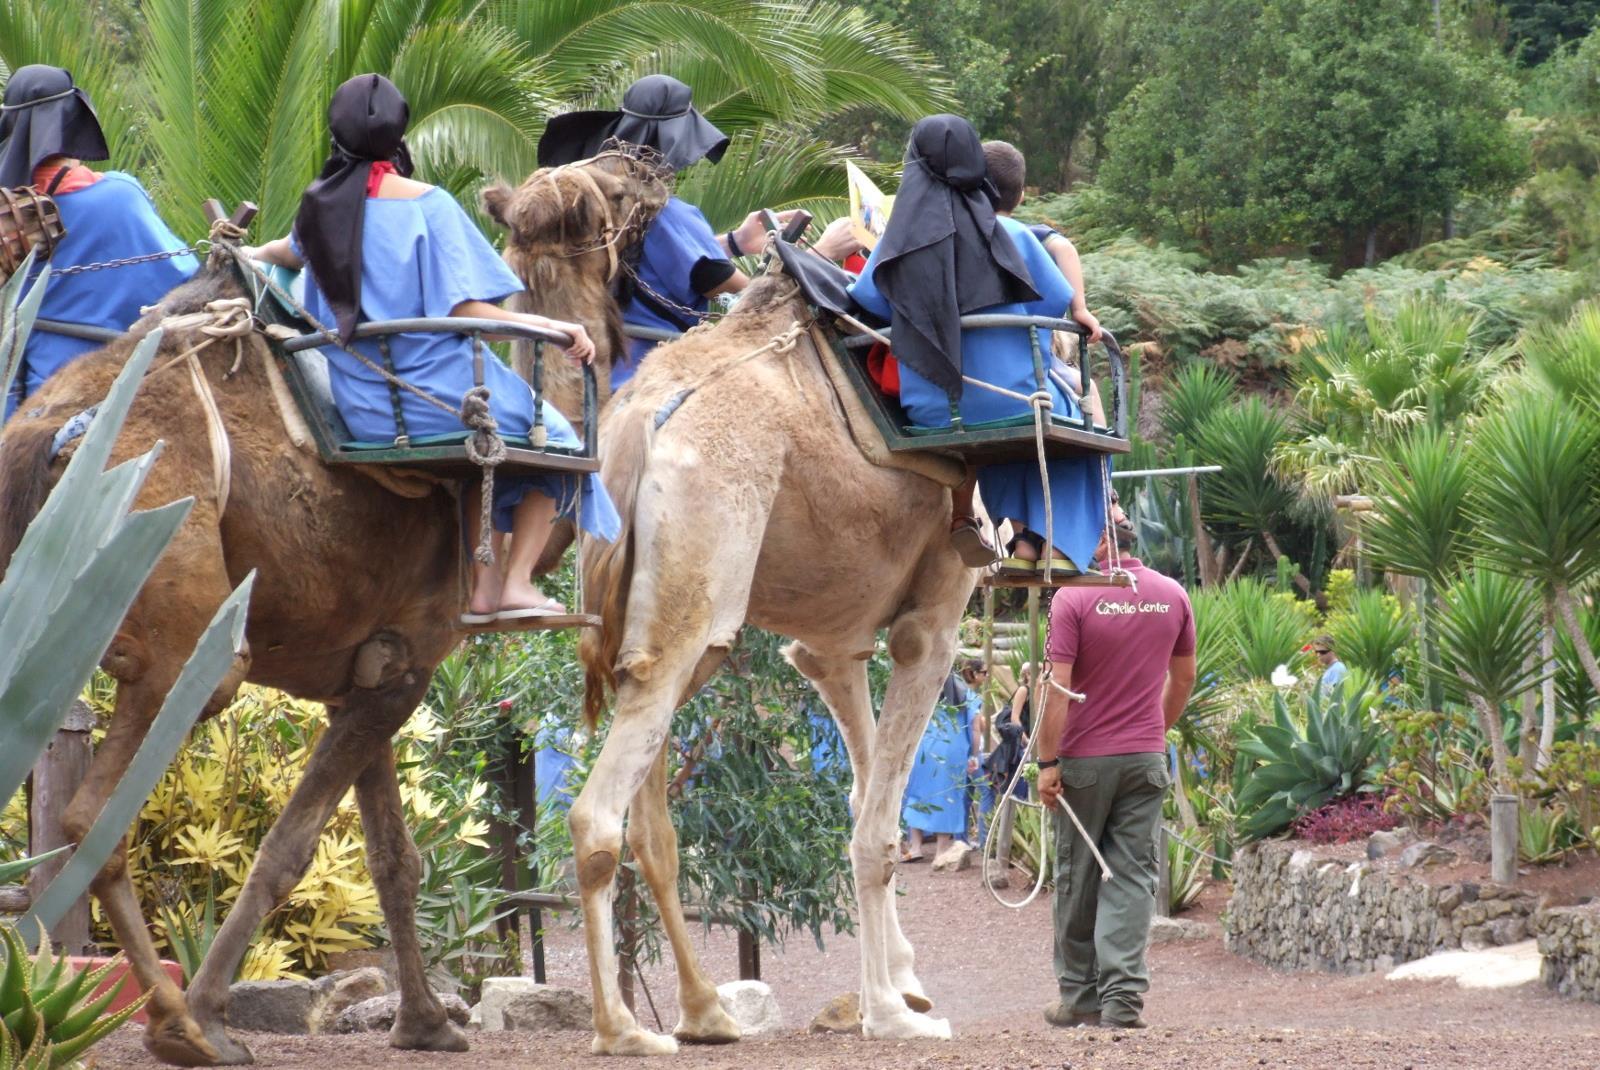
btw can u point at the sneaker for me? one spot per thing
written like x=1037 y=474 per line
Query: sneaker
x=1062 y=1017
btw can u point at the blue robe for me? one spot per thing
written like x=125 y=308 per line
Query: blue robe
x=109 y=220
x=936 y=795
x=1003 y=356
x=678 y=239
x=423 y=257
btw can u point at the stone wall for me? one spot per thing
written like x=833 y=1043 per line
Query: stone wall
x=1569 y=940
x=1294 y=910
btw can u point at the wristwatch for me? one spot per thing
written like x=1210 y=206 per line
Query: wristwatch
x=1049 y=763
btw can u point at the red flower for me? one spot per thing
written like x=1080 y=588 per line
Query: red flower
x=505 y=705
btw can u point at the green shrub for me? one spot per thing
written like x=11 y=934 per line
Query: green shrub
x=1372 y=633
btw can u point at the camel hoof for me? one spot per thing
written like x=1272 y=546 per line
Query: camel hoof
x=417 y=1036
x=182 y=1042
x=635 y=1041
x=907 y=1025
x=917 y=1001
x=711 y=1026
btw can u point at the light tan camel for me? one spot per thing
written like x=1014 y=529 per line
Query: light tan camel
x=751 y=503
x=355 y=604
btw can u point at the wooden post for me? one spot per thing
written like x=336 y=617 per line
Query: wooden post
x=55 y=780
x=531 y=819
x=749 y=956
x=1163 y=872
x=1504 y=838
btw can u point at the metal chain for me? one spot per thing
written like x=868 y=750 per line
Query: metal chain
x=196 y=249
x=693 y=313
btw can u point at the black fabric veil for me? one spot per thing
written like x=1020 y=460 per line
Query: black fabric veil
x=367 y=120
x=657 y=112
x=944 y=253
x=45 y=115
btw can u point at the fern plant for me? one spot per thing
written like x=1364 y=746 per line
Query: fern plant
x=1290 y=769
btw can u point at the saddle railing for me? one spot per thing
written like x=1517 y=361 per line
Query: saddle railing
x=1014 y=439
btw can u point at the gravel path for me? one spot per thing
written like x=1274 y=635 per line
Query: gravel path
x=988 y=971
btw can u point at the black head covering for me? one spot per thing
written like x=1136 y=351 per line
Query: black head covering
x=45 y=115
x=657 y=112
x=367 y=120
x=944 y=253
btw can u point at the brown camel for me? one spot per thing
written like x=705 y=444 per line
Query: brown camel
x=356 y=602
x=750 y=503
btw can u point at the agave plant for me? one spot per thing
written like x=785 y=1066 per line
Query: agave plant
x=1289 y=770
x=49 y=1012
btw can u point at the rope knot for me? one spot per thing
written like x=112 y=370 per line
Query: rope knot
x=1041 y=399
x=227 y=230
x=486 y=449
x=786 y=341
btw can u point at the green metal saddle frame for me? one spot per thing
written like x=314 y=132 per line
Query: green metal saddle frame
x=1007 y=440
x=305 y=370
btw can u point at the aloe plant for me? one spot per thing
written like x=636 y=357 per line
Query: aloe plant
x=49 y=1014
x=1289 y=770
x=17 y=313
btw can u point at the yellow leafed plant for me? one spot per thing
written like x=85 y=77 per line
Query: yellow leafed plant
x=201 y=829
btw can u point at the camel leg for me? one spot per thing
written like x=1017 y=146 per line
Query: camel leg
x=633 y=746
x=356 y=732
x=921 y=645
x=421 y=1023
x=655 y=844
x=842 y=683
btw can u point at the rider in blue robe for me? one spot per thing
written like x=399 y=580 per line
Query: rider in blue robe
x=952 y=255
x=415 y=253
x=46 y=127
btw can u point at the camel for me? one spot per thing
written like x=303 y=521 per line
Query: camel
x=749 y=503
x=356 y=602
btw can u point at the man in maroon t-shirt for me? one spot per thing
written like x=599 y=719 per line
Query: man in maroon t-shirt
x=1130 y=652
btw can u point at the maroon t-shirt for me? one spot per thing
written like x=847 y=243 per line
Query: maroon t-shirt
x=1119 y=642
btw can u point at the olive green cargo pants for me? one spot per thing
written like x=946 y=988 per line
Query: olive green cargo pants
x=1103 y=927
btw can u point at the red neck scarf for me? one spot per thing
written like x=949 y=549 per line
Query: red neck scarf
x=76 y=178
x=375 y=176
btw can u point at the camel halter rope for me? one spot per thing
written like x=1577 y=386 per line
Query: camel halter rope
x=485 y=448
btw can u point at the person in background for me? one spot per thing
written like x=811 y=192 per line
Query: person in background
x=935 y=801
x=48 y=127
x=1013 y=725
x=1130 y=652
x=1333 y=670
x=683 y=263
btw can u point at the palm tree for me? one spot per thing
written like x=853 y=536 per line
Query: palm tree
x=1536 y=494
x=225 y=98
x=1418 y=525
x=1489 y=635
x=1358 y=389
x=1247 y=494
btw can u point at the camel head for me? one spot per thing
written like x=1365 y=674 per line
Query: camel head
x=571 y=231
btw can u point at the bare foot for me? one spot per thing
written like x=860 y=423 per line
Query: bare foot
x=487 y=591
x=515 y=596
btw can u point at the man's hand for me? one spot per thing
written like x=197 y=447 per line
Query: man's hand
x=837 y=241
x=1050 y=786
x=752 y=234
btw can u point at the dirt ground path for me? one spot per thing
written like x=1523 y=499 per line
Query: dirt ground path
x=988 y=971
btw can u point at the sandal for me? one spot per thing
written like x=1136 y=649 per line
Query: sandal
x=548 y=608
x=909 y=858
x=967 y=538
x=477 y=618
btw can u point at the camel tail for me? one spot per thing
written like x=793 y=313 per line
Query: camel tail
x=24 y=482
x=608 y=567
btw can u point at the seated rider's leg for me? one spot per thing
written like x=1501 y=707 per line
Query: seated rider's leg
x=531 y=524
x=966 y=535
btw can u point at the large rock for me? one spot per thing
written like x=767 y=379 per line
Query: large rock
x=274 y=1006
x=377 y=1014
x=1426 y=855
x=1387 y=843
x=343 y=990
x=958 y=856
x=523 y=1003
x=841 y=1015
x=1172 y=930
x=752 y=1005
